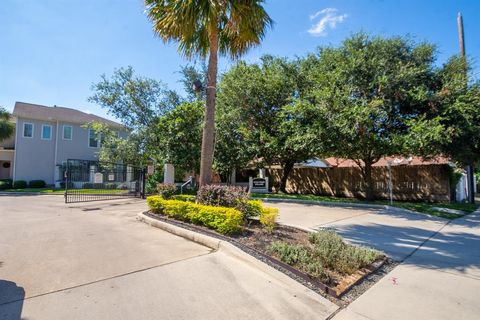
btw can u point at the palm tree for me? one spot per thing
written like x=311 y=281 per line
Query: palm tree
x=201 y=27
x=6 y=127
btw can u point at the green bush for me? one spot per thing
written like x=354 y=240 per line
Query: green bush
x=70 y=185
x=110 y=185
x=325 y=250
x=37 y=184
x=19 y=184
x=334 y=253
x=122 y=186
x=223 y=196
x=222 y=219
x=299 y=257
x=6 y=184
x=253 y=208
x=268 y=217
x=183 y=197
x=166 y=190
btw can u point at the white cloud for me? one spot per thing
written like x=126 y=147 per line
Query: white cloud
x=328 y=19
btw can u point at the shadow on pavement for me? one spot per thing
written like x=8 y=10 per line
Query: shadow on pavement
x=455 y=247
x=11 y=300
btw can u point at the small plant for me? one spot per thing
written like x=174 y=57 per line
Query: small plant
x=166 y=190
x=334 y=253
x=122 y=186
x=37 y=184
x=253 y=208
x=268 y=217
x=300 y=257
x=5 y=184
x=223 y=196
x=19 y=184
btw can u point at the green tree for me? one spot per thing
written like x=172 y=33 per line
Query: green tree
x=452 y=128
x=179 y=136
x=210 y=27
x=136 y=101
x=6 y=127
x=264 y=117
x=367 y=90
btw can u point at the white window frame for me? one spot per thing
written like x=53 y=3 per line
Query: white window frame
x=41 y=134
x=98 y=139
x=23 y=131
x=63 y=132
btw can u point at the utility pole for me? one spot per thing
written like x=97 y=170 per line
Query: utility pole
x=470 y=176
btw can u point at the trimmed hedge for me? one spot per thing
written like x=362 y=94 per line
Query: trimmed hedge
x=19 y=184
x=222 y=219
x=6 y=184
x=36 y=184
x=183 y=197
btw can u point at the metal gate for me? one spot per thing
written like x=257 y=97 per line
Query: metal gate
x=87 y=180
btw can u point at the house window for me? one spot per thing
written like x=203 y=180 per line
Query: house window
x=28 y=130
x=67 y=132
x=46 y=132
x=93 y=139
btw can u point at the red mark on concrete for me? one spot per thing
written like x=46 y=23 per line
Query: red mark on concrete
x=394 y=281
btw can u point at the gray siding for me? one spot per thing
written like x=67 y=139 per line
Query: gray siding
x=35 y=158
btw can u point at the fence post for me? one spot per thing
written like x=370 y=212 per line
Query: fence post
x=143 y=183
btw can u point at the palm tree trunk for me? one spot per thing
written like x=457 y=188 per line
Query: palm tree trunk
x=208 y=138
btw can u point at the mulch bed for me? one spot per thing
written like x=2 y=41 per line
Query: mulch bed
x=254 y=240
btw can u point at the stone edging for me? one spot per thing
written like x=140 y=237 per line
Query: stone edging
x=347 y=205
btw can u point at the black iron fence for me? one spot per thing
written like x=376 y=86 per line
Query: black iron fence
x=87 y=180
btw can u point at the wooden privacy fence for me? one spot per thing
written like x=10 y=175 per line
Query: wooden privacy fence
x=414 y=183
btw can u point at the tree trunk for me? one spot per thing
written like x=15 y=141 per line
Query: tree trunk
x=368 y=180
x=287 y=168
x=208 y=138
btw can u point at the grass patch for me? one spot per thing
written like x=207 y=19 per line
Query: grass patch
x=421 y=207
x=39 y=190
x=62 y=191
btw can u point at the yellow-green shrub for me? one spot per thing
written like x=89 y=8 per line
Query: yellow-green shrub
x=183 y=197
x=221 y=219
x=253 y=208
x=268 y=217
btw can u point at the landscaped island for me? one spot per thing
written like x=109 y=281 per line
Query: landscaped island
x=321 y=257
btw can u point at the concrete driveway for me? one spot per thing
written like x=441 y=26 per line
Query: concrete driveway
x=441 y=280
x=439 y=277
x=396 y=233
x=96 y=261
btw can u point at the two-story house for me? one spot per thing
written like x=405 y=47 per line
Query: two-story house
x=45 y=138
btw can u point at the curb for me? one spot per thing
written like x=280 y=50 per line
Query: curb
x=202 y=239
x=228 y=249
x=348 y=205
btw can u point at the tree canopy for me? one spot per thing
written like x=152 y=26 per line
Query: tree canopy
x=7 y=128
x=262 y=117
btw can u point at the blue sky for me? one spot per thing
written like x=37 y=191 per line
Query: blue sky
x=51 y=51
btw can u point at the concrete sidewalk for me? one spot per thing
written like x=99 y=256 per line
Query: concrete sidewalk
x=96 y=261
x=441 y=280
